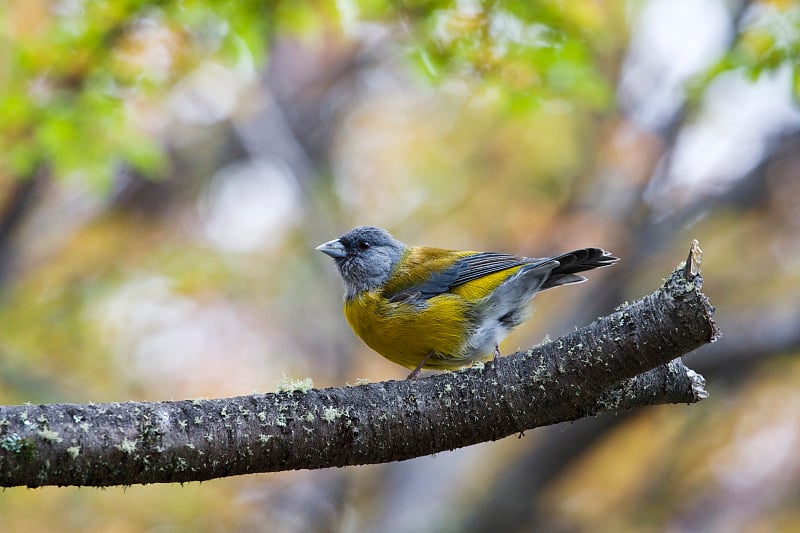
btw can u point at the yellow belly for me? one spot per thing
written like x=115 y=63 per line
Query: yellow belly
x=405 y=333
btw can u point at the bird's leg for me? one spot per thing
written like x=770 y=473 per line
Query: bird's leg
x=496 y=352
x=415 y=373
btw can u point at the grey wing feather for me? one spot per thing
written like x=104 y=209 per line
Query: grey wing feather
x=482 y=264
x=464 y=270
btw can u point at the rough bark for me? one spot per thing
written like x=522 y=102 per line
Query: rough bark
x=624 y=360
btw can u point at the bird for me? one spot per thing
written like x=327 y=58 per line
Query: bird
x=434 y=308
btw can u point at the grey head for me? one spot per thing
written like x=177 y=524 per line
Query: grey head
x=365 y=256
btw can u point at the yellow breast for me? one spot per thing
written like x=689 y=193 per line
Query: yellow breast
x=406 y=332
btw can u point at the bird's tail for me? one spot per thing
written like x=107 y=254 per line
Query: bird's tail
x=576 y=261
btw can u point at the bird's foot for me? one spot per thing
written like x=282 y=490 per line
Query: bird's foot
x=415 y=373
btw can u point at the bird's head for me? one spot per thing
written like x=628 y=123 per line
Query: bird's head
x=366 y=256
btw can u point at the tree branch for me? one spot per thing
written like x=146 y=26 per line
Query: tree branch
x=620 y=361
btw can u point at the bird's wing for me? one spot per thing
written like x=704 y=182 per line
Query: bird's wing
x=467 y=268
x=482 y=264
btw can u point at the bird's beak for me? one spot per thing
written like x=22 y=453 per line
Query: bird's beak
x=333 y=248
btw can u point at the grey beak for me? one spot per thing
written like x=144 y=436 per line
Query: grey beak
x=333 y=248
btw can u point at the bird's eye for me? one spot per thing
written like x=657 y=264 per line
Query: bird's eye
x=363 y=245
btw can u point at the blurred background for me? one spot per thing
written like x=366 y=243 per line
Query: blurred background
x=167 y=167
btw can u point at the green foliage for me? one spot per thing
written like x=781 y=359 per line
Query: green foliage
x=768 y=40
x=77 y=80
x=80 y=81
x=523 y=52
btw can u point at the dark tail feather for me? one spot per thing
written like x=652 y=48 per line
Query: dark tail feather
x=576 y=261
